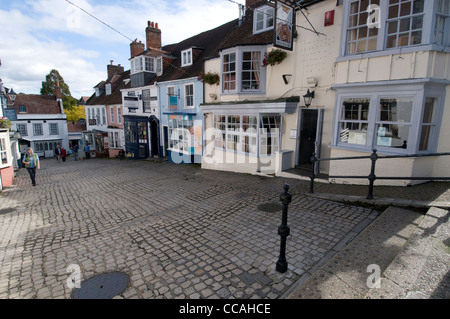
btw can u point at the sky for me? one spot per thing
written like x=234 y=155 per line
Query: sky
x=37 y=36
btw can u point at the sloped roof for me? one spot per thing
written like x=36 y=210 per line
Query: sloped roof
x=205 y=45
x=243 y=35
x=76 y=127
x=37 y=104
x=116 y=96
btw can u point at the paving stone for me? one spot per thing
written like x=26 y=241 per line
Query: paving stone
x=176 y=237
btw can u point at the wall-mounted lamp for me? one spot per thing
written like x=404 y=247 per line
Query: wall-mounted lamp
x=12 y=96
x=213 y=96
x=285 y=78
x=308 y=98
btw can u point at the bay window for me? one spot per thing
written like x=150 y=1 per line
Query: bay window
x=374 y=25
x=402 y=119
x=239 y=133
x=242 y=71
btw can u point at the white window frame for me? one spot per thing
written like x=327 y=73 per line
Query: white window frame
x=443 y=16
x=264 y=15
x=108 y=89
x=240 y=138
x=419 y=93
x=428 y=31
x=119 y=115
x=146 y=64
x=103 y=116
x=111 y=115
x=189 y=97
x=186 y=57
x=51 y=128
x=38 y=129
x=239 y=54
x=146 y=101
x=5 y=156
x=22 y=128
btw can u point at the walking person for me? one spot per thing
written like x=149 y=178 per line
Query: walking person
x=87 y=150
x=57 y=152
x=75 y=151
x=31 y=162
x=63 y=154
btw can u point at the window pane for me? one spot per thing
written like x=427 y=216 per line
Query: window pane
x=354 y=117
x=396 y=110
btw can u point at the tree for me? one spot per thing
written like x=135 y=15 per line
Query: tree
x=49 y=85
x=76 y=113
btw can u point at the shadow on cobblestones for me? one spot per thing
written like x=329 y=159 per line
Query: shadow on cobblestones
x=176 y=230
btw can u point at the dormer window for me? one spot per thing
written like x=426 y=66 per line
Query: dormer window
x=97 y=92
x=263 y=19
x=146 y=64
x=186 y=57
x=108 y=89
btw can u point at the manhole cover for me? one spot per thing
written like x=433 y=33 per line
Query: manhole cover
x=270 y=207
x=104 y=286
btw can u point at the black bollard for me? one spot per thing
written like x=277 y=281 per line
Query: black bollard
x=283 y=230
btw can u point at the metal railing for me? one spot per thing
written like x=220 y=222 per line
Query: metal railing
x=372 y=177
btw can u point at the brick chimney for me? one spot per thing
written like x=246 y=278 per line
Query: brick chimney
x=58 y=91
x=153 y=36
x=114 y=69
x=58 y=96
x=136 y=48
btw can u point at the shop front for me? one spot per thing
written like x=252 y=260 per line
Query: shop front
x=136 y=137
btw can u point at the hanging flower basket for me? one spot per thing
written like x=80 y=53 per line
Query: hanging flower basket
x=274 y=57
x=209 y=78
x=5 y=123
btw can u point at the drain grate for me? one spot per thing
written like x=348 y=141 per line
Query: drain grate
x=270 y=207
x=104 y=286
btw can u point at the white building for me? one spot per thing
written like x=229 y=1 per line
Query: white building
x=42 y=123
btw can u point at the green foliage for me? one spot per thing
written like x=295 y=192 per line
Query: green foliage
x=209 y=78
x=274 y=57
x=76 y=113
x=49 y=85
x=4 y=122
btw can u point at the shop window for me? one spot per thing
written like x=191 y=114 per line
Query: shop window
x=3 y=151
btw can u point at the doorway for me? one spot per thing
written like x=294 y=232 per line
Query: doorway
x=310 y=136
x=154 y=136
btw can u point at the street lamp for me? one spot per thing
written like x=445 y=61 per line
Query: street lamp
x=12 y=95
x=308 y=98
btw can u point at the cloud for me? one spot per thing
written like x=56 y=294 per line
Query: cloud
x=41 y=35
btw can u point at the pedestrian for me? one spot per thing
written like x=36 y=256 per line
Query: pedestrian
x=57 y=152
x=75 y=151
x=63 y=154
x=87 y=150
x=31 y=162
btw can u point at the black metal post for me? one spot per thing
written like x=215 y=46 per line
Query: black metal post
x=314 y=160
x=372 y=176
x=283 y=230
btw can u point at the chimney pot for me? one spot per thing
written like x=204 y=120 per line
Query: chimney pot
x=156 y=26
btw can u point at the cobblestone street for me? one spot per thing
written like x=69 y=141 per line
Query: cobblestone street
x=177 y=231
